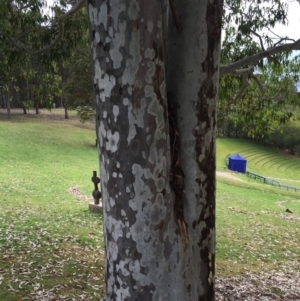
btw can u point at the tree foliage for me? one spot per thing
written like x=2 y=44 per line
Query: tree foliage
x=77 y=90
x=255 y=103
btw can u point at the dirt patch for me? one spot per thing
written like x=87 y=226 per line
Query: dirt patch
x=52 y=115
x=242 y=211
x=229 y=176
x=288 y=217
x=76 y=192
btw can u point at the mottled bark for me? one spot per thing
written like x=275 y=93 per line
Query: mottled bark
x=192 y=85
x=159 y=246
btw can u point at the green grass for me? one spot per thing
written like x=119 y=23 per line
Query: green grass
x=52 y=245
x=254 y=231
x=48 y=237
x=266 y=161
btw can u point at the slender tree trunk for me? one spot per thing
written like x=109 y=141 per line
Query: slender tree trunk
x=24 y=108
x=8 y=104
x=23 y=104
x=27 y=91
x=66 y=112
x=3 y=102
x=61 y=103
x=36 y=104
x=160 y=241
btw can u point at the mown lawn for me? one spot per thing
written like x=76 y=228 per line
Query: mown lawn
x=263 y=160
x=51 y=245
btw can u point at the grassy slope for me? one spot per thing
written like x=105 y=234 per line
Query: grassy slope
x=51 y=244
x=263 y=160
x=44 y=230
x=254 y=231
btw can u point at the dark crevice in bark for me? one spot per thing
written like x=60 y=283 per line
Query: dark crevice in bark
x=176 y=173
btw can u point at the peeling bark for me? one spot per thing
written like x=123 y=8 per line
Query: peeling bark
x=146 y=255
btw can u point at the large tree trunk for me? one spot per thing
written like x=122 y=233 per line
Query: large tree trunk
x=160 y=241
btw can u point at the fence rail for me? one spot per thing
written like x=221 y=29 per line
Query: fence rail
x=271 y=182
x=264 y=179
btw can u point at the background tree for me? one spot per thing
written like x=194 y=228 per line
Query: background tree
x=252 y=105
x=78 y=88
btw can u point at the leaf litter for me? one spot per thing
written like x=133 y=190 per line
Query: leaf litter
x=39 y=261
x=268 y=286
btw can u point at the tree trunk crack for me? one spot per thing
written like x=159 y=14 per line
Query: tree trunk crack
x=177 y=175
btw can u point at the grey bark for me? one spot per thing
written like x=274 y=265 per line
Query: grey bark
x=192 y=86
x=153 y=251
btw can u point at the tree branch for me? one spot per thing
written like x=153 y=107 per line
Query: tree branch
x=242 y=71
x=244 y=87
x=60 y=25
x=260 y=39
x=233 y=67
x=258 y=83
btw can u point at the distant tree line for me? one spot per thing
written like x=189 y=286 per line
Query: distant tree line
x=38 y=79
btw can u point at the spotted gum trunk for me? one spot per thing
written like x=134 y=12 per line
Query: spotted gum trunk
x=158 y=246
x=192 y=87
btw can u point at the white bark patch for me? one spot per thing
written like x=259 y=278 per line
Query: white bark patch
x=116 y=9
x=208 y=137
x=115 y=112
x=113 y=250
x=155 y=108
x=129 y=89
x=158 y=210
x=133 y=11
x=98 y=17
x=112 y=202
x=150 y=26
x=133 y=120
x=200 y=41
x=132 y=64
x=116 y=43
x=132 y=130
x=97 y=37
x=113 y=140
x=105 y=82
x=202 y=225
x=150 y=72
x=102 y=132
